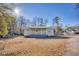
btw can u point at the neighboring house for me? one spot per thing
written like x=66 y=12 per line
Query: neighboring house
x=77 y=31
x=71 y=32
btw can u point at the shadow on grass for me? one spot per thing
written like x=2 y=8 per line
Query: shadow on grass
x=48 y=37
x=5 y=38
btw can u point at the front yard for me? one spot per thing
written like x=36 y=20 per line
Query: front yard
x=41 y=47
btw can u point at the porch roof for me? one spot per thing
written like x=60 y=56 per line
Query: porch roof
x=39 y=27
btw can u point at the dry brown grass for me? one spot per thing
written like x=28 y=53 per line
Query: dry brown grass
x=32 y=46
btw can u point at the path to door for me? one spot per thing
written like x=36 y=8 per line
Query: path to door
x=72 y=46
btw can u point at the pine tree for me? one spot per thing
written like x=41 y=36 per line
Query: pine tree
x=56 y=26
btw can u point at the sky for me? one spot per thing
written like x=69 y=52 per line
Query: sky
x=67 y=12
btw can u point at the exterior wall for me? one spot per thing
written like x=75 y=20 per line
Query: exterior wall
x=50 y=32
x=47 y=31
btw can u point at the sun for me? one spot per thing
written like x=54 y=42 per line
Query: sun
x=17 y=11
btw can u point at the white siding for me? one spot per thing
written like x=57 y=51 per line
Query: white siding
x=47 y=31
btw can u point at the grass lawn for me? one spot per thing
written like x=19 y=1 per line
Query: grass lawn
x=32 y=46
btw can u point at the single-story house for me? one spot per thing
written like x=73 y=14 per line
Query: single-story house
x=38 y=31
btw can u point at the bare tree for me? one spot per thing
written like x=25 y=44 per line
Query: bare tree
x=34 y=21
x=21 y=24
x=38 y=21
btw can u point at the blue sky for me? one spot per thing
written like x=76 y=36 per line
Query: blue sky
x=67 y=12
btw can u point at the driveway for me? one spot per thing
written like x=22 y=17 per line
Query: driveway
x=72 y=46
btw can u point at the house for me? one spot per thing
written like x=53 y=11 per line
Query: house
x=38 y=31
